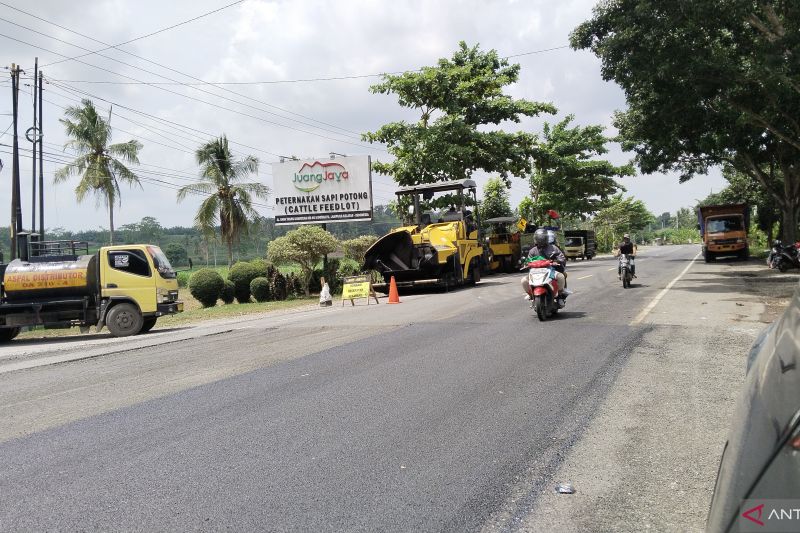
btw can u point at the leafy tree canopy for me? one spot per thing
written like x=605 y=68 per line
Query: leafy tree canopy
x=459 y=100
x=495 y=200
x=707 y=83
x=568 y=176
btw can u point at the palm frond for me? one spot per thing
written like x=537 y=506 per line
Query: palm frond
x=201 y=187
x=128 y=151
x=122 y=173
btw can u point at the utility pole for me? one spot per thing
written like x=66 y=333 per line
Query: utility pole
x=33 y=143
x=16 y=208
x=41 y=159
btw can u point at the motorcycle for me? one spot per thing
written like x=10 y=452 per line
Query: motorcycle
x=544 y=287
x=783 y=257
x=625 y=273
x=774 y=252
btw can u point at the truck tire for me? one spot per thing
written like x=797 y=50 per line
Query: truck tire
x=474 y=273
x=148 y=324
x=709 y=256
x=8 y=334
x=124 y=319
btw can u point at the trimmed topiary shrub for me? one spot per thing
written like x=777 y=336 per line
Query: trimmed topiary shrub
x=206 y=286
x=228 y=292
x=348 y=267
x=241 y=274
x=264 y=267
x=259 y=288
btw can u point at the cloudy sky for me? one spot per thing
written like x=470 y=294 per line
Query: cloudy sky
x=297 y=75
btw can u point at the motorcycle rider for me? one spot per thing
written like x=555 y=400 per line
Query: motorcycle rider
x=628 y=248
x=542 y=247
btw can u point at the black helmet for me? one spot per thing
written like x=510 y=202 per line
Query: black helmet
x=541 y=238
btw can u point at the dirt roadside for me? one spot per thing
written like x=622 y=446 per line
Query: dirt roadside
x=649 y=458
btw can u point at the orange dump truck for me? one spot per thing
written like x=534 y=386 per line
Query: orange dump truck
x=723 y=229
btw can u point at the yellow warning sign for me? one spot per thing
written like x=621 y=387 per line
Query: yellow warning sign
x=522 y=224
x=358 y=287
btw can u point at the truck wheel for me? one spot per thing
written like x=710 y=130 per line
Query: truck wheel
x=8 y=334
x=124 y=320
x=474 y=274
x=709 y=257
x=148 y=324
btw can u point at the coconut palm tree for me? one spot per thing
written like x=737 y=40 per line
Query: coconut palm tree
x=100 y=165
x=229 y=204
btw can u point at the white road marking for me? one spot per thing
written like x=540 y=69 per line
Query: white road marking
x=641 y=316
x=612 y=268
x=589 y=276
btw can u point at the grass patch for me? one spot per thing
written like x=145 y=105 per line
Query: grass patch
x=193 y=313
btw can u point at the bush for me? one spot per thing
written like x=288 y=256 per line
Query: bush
x=206 y=286
x=265 y=268
x=228 y=292
x=259 y=288
x=183 y=279
x=278 y=286
x=241 y=274
x=355 y=248
x=348 y=267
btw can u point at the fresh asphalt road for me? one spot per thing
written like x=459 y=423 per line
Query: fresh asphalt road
x=446 y=412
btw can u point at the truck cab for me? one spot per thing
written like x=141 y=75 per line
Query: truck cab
x=140 y=276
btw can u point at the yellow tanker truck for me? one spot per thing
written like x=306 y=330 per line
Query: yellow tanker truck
x=442 y=250
x=58 y=283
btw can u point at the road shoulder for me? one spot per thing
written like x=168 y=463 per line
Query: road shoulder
x=649 y=457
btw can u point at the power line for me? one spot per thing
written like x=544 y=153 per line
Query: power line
x=385 y=188
x=299 y=80
x=161 y=88
x=162 y=30
x=202 y=82
x=153 y=117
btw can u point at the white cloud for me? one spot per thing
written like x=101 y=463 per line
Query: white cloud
x=287 y=40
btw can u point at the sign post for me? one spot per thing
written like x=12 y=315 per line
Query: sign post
x=358 y=287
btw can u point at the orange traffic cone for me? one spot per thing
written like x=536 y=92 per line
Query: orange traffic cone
x=394 y=298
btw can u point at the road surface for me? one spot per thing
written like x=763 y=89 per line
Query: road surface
x=451 y=411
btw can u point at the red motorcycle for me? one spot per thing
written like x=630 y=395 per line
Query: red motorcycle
x=544 y=287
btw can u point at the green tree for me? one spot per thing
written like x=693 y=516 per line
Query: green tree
x=525 y=209
x=707 y=83
x=567 y=174
x=459 y=100
x=229 y=202
x=150 y=230
x=355 y=249
x=101 y=165
x=623 y=215
x=176 y=254
x=305 y=246
x=495 y=200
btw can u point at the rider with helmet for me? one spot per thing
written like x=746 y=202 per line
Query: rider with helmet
x=628 y=248
x=543 y=247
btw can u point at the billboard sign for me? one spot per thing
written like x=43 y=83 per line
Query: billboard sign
x=315 y=191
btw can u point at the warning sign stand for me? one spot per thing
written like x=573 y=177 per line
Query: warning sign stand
x=358 y=287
